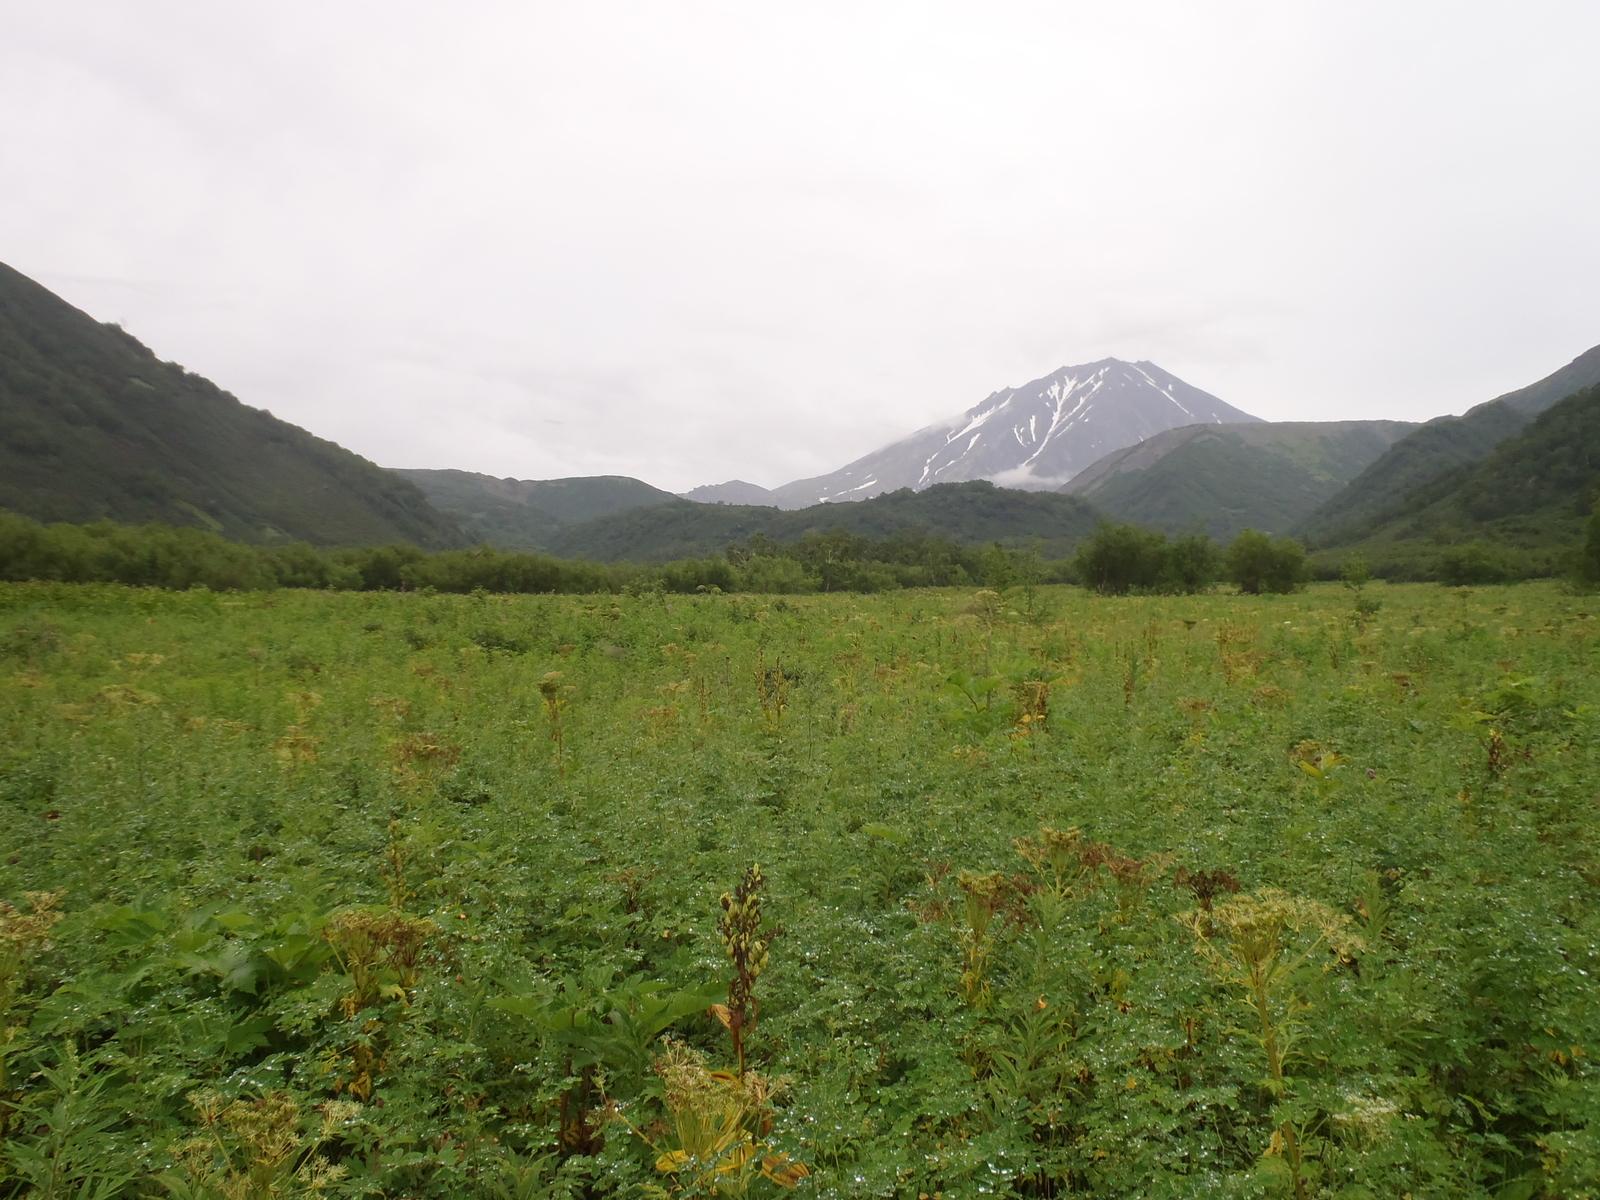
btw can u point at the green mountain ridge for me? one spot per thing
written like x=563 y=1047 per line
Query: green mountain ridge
x=1524 y=504
x=1580 y=373
x=1378 y=495
x=526 y=514
x=1223 y=479
x=966 y=513
x=94 y=426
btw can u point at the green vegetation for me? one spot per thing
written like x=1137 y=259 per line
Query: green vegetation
x=1114 y=560
x=1517 y=513
x=1118 y=559
x=1589 y=560
x=360 y=894
x=524 y=514
x=1259 y=563
x=1379 y=494
x=92 y=426
x=965 y=513
x=161 y=556
x=1582 y=372
x=1375 y=496
x=1224 y=479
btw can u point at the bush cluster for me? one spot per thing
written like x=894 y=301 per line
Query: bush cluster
x=163 y=556
x=1589 y=558
x=1119 y=559
x=1114 y=560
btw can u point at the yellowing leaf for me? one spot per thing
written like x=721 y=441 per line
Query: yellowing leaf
x=783 y=1170
x=672 y=1160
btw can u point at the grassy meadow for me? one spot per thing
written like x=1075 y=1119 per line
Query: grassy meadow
x=411 y=895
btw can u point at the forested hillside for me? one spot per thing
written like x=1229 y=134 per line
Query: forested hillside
x=1222 y=479
x=524 y=514
x=1379 y=494
x=1581 y=372
x=966 y=513
x=93 y=425
x=1520 y=511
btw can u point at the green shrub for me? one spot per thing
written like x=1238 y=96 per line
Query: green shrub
x=1589 y=557
x=1192 y=564
x=1476 y=562
x=137 y=555
x=1118 y=559
x=773 y=576
x=1259 y=563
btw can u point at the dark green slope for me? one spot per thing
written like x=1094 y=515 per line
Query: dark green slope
x=1377 y=496
x=662 y=532
x=524 y=514
x=967 y=513
x=1531 y=496
x=1582 y=372
x=1222 y=479
x=93 y=426
x=1216 y=485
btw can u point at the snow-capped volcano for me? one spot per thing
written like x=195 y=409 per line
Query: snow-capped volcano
x=1035 y=436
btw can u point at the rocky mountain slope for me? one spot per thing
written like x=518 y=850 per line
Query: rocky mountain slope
x=1036 y=437
x=93 y=425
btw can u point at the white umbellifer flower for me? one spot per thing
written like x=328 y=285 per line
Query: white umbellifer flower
x=1371 y=1115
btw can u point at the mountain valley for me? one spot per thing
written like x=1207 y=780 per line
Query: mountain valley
x=93 y=426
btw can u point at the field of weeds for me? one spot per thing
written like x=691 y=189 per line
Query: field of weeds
x=415 y=895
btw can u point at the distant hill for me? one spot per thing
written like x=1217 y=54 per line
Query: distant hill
x=735 y=491
x=93 y=426
x=1379 y=494
x=526 y=514
x=1036 y=436
x=1530 y=496
x=1222 y=479
x=967 y=513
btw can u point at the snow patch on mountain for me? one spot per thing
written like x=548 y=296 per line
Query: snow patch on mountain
x=1037 y=436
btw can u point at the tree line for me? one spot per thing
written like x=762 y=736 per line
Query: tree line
x=1113 y=560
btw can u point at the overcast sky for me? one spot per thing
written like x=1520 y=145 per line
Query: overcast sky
x=695 y=241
